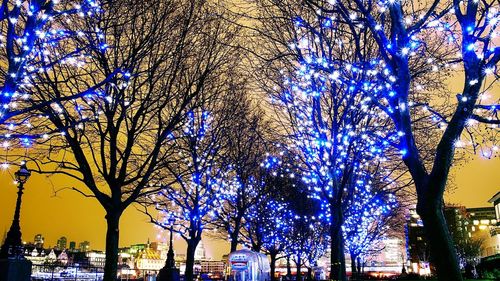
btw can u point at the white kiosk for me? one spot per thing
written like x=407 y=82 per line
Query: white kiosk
x=246 y=265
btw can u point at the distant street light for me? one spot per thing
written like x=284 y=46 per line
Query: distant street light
x=13 y=247
x=169 y=272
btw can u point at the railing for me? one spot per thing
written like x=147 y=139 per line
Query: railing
x=66 y=272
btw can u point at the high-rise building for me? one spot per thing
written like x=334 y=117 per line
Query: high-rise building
x=84 y=246
x=417 y=250
x=62 y=243
x=457 y=219
x=72 y=246
x=481 y=218
x=38 y=241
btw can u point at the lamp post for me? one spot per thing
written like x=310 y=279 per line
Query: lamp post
x=13 y=248
x=170 y=263
x=169 y=272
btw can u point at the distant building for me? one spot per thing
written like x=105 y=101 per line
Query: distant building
x=457 y=219
x=63 y=258
x=51 y=257
x=133 y=249
x=39 y=256
x=62 y=243
x=38 y=241
x=417 y=250
x=464 y=224
x=96 y=258
x=388 y=260
x=495 y=200
x=148 y=261
x=84 y=246
x=482 y=226
x=481 y=218
x=213 y=267
x=493 y=244
x=72 y=246
x=162 y=248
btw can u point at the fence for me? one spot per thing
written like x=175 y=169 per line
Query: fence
x=66 y=273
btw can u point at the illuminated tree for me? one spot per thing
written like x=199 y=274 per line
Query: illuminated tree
x=169 y=57
x=307 y=237
x=268 y=222
x=38 y=37
x=324 y=106
x=368 y=219
x=200 y=185
x=406 y=51
x=415 y=42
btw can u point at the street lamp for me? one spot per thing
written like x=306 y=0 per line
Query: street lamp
x=13 y=247
x=169 y=272
x=170 y=263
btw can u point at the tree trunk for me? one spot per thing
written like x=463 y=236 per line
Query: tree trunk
x=309 y=274
x=191 y=250
x=234 y=235
x=354 y=273
x=337 y=257
x=234 y=242
x=288 y=268
x=298 y=266
x=273 y=256
x=112 y=239
x=443 y=253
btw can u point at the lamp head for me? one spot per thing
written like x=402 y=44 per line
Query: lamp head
x=23 y=174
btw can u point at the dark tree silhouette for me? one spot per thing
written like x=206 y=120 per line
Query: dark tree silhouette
x=246 y=151
x=169 y=56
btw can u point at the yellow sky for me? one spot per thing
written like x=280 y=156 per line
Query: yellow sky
x=69 y=214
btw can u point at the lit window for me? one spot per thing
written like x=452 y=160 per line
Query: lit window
x=485 y=222
x=475 y=222
x=482 y=227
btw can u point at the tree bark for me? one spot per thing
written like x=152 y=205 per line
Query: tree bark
x=309 y=274
x=443 y=253
x=337 y=257
x=298 y=266
x=112 y=239
x=273 y=256
x=288 y=268
x=191 y=250
x=354 y=273
x=235 y=234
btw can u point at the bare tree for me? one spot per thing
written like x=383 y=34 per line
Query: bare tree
x=169 y=57
x=246 y=151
